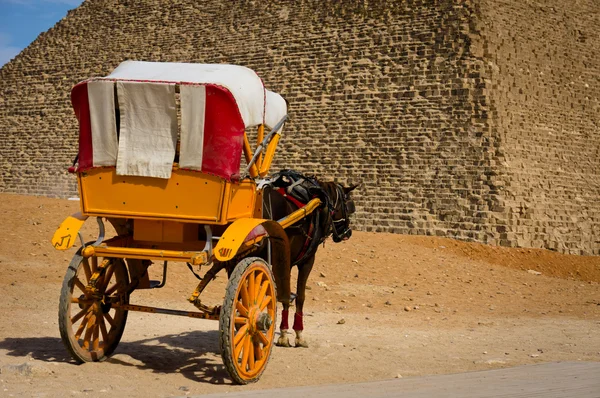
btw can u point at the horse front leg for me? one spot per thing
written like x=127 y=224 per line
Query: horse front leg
x=303 y=273
x=283 y=340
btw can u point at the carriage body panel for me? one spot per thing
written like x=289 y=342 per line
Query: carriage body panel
x=188 y=196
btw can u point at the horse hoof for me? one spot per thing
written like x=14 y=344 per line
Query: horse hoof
x=283 y=342
x=301 y=343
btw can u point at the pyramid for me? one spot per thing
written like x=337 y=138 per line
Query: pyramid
x=472 y=119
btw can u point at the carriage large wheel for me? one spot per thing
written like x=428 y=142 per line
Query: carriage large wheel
x=90 y=327
x=247 y=320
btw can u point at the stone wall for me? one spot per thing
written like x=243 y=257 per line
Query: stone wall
x=415 y=100
x=545 y=109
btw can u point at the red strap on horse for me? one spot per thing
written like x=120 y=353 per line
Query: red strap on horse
x=291 y=198
x=307 y=242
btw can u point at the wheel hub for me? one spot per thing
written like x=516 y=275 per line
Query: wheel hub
x=105 y=306
x=264 y=322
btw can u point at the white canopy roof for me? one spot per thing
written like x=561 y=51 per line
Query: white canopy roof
x=243 y=83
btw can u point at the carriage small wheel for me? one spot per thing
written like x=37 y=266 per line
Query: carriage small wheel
x=90 y=327
x=247 y=320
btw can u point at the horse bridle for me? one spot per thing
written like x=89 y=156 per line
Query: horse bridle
x=341 y=227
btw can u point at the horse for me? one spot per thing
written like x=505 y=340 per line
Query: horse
x=332 y=218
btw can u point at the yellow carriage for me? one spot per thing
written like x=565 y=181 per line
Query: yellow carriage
x=160 y=148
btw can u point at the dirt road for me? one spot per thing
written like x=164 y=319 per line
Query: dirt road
x=380 y=306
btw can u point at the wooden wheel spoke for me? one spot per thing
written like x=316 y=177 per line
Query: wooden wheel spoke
x=103 y=329
x=251 y=359
x=257 y=286
x=240 y=320
x=96 y=337
x=80 y=314
x=80 y=285
x=241 y=309
x=246 y=352
x=239 y=335
x=266 y=301
x=81 y=327
x=238 y=348
x=110 y=319
x=112 y=289
x=107 y=275
x=88 y=331
x=86 y=269
x=258 y=353
x=263 y=339
x=262 y=293
x=251 y=291
x=244 y=294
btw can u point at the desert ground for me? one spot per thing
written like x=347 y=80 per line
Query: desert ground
x=380 y=306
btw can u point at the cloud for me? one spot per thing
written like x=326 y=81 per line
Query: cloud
x=7 y=52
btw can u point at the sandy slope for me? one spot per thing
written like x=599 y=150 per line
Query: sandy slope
x=410 y=306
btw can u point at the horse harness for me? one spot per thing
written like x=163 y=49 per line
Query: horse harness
x=299 y=190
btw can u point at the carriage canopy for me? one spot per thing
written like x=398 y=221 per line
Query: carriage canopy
x=133 y=118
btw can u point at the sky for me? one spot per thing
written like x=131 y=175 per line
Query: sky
x=21 y=21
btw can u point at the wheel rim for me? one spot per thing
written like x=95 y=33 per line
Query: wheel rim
x=94 y=326
x=253 y=321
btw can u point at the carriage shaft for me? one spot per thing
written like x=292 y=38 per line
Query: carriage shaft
x=300 y=213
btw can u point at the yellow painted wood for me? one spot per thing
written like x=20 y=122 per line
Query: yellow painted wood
x=66 y=234
x=241 y=200
x=148 y=230
x=164 y=231
x=300 y=213
x=188 y=196
x=258 y=205
x=270 y=153
x=234 y=237
x=195 y=258
x=248 y=156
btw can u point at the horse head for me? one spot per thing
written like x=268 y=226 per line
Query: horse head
x=340 y=206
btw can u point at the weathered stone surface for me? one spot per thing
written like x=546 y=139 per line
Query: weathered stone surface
x=476 y=119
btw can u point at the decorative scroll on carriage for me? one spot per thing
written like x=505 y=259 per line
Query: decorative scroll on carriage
x=160 y=148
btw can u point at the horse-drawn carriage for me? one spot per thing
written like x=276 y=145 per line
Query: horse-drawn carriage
x=160 y=147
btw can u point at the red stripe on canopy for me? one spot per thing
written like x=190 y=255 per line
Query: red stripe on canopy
x=80 y=102
x=223 y=133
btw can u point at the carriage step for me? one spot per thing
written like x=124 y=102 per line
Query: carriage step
x=194 y=258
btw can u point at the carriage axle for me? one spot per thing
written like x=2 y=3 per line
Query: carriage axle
x=166 y=311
